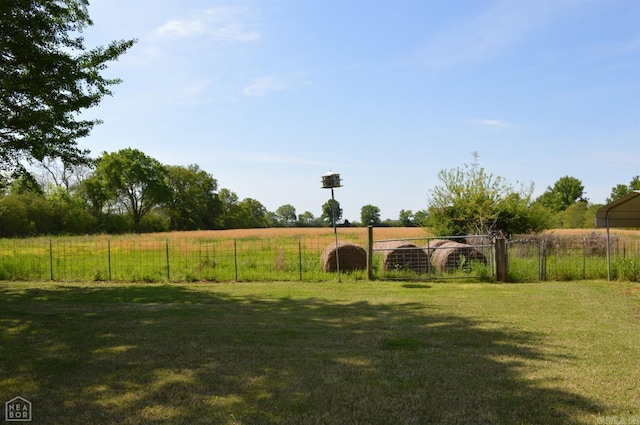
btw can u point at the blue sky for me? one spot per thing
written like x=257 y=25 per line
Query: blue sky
x=268 y=96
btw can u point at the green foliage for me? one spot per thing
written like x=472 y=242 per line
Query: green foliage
x=252 y=214
x=621 y=190
x=331 y=209
x=230 y=209
x=194 y=203
x=565 y=192
x=470 y=200
x=573 y=217
x=48 y=79
x=14 y=216
x=370 y=215
x=627 y=269
x=132 y=181
x=306 y=218
x=286 y=215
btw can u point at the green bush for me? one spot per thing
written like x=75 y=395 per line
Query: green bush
x=627 y=269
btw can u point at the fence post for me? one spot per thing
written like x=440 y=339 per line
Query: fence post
x=235 y=258
x=167 y=251
x=109 y=257
x=300 y=257
x=370 y=252
x=501 y=260
x=542 y=260
x=584 y=257
x=51 y=259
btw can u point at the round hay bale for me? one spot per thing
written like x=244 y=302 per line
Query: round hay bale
x=432 y=244
x=451 y=255
x=402 y=255
x=350 y=255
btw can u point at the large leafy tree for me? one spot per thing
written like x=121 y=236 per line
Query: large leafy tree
x=252 y=213
x=133 y=181
x=231 y=210
x=566 y=191
x=48 y=78
x=286 y=214
x=194 y=203
x=469 y=200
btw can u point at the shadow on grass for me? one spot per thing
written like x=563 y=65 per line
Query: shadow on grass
x=174 y=355
x=416 y=286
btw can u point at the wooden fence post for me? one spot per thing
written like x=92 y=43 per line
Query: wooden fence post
x=370 y=253
x=501 y=260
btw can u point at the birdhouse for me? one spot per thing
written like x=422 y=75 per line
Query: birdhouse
x=331 y=180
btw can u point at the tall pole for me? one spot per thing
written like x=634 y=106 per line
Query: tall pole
x=335 y=232
x=330 y=181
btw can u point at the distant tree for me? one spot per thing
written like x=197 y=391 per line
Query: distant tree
x=469 y=200
x=194 y=203
x=48 y=79
x=621 y=190
x=573 y=217
x=564 y=192
x=286 y=214
x=306 y=218
x=136 y=182
x=231 y=214
x=328 y=212
x=253 y=213
x=406 y=218
x=370 y=215
x=14 y=216
x=25 y=183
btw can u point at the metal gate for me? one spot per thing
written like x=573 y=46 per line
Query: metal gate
x=448 y=257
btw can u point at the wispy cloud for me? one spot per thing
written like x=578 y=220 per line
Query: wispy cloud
x=224 y=23
x=263 y=86
x=493 y=124
x=505 y=24
x=276 y=159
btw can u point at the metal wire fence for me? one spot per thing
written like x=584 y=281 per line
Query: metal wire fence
x=153 y=260
x=549 y=257
x=530 y=258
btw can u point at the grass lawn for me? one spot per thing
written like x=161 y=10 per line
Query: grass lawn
x=323 y=353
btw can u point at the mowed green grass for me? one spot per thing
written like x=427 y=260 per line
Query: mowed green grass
x=323 y=353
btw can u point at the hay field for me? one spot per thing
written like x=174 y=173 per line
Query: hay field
x=350 y=233
x=587 y=232
x=293 y=232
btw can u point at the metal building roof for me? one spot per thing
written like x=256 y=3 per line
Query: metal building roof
x=623 y=212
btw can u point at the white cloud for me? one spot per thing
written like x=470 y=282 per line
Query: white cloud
x=262 y=86
x=220 y=23
x=502 y=26
x=494 y=124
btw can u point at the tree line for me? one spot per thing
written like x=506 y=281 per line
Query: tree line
x=129 y=191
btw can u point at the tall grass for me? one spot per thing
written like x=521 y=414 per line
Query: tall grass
x=292 y=255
